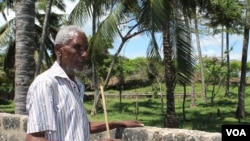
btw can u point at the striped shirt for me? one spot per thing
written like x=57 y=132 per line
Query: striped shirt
x=55 y=105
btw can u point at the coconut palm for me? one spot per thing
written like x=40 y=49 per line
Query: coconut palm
x=149 y=14
x=44 y=32
x=7 y=37
x=106 y=31
x=24 y=56
x=48 y=30
x=177 y=50
x=240 y=111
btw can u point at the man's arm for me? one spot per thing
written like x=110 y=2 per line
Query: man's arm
x=96 y=127
x=39 y=136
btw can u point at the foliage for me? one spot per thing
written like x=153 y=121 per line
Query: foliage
x=235 y=67
x=214 y=72
x=215 y=75
x=226 y=13
x=133 y=70
x=202 y=117
x=6 y=85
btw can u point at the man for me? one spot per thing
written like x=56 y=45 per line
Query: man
x=55 y=98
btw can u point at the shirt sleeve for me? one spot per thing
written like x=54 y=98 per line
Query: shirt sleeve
x=41 y=114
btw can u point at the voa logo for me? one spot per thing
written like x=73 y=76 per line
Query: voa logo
x=236 y=132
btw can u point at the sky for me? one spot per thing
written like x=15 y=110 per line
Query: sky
x=210 y=45
x=137 y=46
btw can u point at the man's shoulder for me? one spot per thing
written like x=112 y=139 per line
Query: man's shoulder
x=46 y=76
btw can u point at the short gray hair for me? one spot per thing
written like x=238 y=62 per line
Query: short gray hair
x=65 y=33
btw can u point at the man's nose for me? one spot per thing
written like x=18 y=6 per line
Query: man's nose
x=85 y=54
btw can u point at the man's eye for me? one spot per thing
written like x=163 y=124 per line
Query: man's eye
x=78 y=47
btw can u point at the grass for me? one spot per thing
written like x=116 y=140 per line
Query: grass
x=7 y=106
x=151 y=113
x=203 y=117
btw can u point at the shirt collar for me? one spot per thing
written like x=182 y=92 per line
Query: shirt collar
x=59 y=72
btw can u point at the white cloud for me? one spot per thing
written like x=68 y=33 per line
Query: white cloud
x=211 y=45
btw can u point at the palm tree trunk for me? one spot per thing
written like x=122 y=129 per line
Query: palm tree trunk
x=170 y=118
x=96 y=90
x=240 y=112
x=228 y=67
x=94 y=73
x=24 y=57
x=204 y=93
x=222 y=45
x=44 y=33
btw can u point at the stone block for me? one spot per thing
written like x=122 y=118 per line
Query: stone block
x=11 y=122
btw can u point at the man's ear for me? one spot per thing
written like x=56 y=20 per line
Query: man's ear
x=58 y=50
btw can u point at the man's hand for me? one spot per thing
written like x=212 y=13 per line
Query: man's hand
x=132 y=123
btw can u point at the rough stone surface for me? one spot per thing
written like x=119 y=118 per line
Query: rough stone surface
x=3 y=137
x=11 y=122
x=13 y=127
x=24 y=121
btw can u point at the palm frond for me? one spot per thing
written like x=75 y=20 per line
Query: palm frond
x=81 y=13
x=41 y=5
x=185 y=58
x=153 y=50
x=108 y=29
x=59 y=4
x=6 y=32
x=152 y=13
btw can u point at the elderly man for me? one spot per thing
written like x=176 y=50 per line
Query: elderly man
x=55 y=98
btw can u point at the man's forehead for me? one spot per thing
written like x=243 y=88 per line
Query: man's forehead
x=78 y=35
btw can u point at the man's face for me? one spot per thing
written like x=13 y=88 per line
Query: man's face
x=74 y=53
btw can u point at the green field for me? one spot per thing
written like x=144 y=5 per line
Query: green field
x=151 y=112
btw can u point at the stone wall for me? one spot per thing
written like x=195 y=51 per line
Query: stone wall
x=13 y=127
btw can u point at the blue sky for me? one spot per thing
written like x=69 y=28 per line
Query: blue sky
x=137 y=47
x=210 y=45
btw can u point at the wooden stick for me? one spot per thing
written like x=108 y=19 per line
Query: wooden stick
x=105 y=111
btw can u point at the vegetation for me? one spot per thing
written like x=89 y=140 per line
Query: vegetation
x=174 y=66
x=203 y=117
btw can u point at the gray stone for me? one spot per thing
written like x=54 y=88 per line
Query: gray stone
x=14 y=138
x=3 y=138
x=13 y=128
x=24 y=125
x=134 y=135
x=11 y=122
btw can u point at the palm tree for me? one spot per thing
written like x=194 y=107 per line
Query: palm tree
x=225 y=13
x=240 y=111
x=47 y=29
x=9 y=38
x=150 y=15
x=204 y=95
x=177 y=50
x=44 y=32
x=106 y=30
x=24 y=56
